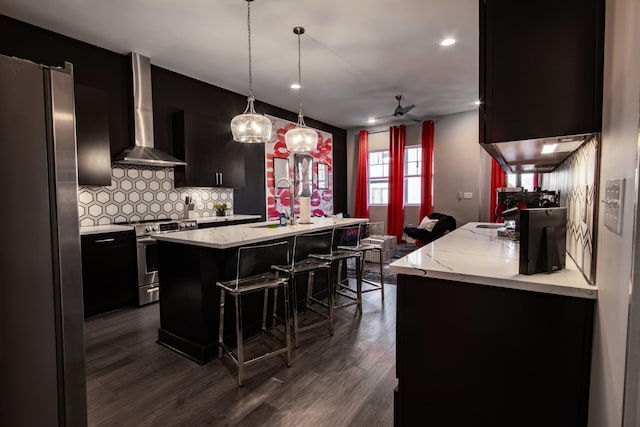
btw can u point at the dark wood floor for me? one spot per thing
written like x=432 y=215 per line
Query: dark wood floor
x=344 y=380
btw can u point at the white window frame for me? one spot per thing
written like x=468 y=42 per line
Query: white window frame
x=383 y=178
x=386 y=177
x=405 y=175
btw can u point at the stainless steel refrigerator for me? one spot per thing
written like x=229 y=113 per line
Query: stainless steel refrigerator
x=42 y=366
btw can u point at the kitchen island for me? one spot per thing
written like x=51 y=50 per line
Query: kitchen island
x=190 y=264
x=480 y=344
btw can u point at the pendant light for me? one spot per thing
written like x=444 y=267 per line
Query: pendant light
x=250 y=126
x=300 y=139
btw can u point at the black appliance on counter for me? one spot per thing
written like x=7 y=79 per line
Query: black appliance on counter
x=543 y=236
x=147 y=253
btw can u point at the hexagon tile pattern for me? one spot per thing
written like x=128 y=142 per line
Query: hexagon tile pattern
x=144 y=193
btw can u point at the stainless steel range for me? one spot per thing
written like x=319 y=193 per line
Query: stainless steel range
x=147 y=253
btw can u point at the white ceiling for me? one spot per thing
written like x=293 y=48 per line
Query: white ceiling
x=356 y=54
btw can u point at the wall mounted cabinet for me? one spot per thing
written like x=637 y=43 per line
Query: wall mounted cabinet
x=540 y=76
x=92 y=136
x=213 y=158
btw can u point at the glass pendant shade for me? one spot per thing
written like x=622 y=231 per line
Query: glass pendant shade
x=300 y=139
x=251 y=127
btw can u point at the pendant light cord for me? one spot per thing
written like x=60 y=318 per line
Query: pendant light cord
x=299 y=78
x=249 y=28
x=301 y=123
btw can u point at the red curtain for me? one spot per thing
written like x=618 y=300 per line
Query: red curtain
x=395 y=207
x=498 y=179
x=362 y=203
x=426 y=201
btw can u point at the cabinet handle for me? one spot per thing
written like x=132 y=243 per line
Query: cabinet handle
x=220 y=178
x=111 y=239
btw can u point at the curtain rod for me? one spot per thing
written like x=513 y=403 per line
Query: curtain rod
x=407 y=125
x=387 y=129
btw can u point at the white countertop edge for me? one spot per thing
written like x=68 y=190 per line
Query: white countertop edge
x=570 y=291
x=227 y=218
x=99 y=229
x=478 y=256
x=223 y=237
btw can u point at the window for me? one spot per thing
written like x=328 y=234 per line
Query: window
x=412 y=175
x=524 y=180
x=379 y=176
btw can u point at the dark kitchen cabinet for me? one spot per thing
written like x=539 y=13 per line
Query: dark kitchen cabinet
x=108 y=272
x=92 y=136
x=478 y=355
x=540 y=68
x=213 y=158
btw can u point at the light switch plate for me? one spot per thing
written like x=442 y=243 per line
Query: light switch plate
x=613 y=204
x=468 y=195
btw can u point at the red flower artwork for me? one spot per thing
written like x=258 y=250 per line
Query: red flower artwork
x=278 y=201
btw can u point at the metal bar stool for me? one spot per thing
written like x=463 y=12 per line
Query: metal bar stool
x=372 y=250
x=252 y=275
x=342 y=237
x=303 y=245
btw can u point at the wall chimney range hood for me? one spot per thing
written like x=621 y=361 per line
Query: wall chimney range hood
x=143 y=153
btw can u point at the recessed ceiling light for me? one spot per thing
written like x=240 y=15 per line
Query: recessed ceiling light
x=478 y=102
x=447 y=42
x=549 y=148
x=295 y=86
x=371 y=120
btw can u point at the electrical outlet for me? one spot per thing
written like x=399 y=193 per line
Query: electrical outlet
x=459 y=195
x=613 y=204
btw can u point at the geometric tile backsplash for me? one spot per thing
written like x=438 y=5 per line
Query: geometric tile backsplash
x=138 y=193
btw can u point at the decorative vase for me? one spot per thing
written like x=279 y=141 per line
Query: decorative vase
x=221 y=213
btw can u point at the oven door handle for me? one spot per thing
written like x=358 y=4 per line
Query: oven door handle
x=147 y=240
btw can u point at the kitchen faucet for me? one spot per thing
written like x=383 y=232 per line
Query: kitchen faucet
x=292 y=219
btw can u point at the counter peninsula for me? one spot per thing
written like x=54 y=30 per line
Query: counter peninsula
x=189 y=265
x=480 y=344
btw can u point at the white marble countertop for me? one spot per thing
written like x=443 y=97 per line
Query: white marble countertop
x=98 y=229
x=243 y=234
x=227 y=218
x=477 y=255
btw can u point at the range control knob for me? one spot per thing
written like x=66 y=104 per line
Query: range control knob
x=155 y=228
x=148 y=228
x=183 y=225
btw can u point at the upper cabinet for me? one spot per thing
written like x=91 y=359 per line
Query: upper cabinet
x=540 y=78
x=92 y=136
x=206 y=144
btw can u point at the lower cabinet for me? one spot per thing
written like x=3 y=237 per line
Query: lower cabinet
x=475 y=355
x=108 y=272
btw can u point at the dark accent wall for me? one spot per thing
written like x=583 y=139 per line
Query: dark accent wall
x=102 y=69
x=93 y=67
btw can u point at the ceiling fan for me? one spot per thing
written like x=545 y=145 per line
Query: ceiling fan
x=400 y=111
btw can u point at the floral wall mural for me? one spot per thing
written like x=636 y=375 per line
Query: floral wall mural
x=278 y=198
